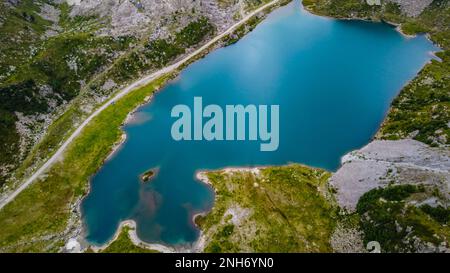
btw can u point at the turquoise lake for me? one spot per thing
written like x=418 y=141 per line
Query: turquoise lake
x=334 y=81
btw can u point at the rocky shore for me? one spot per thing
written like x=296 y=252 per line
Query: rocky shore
x=383 y=162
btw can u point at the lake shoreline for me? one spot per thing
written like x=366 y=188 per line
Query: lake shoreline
x=201 y=174
x=173 y=75
x=134 y=238
x=397 y=26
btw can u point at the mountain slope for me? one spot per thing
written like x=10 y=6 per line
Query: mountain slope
x=60 y=59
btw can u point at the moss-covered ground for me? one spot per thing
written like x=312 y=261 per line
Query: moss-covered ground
x=280 y=209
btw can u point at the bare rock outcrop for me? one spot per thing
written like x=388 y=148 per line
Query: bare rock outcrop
x=125 y=17
x=412 y=8
x=384 y=162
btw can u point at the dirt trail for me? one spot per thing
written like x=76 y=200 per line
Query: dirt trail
x=139 y=83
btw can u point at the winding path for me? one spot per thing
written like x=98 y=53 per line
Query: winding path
x=139 y=83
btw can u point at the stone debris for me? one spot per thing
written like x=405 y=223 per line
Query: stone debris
x=151 y=16
x=52 y=14
x=384 y=162
x=412 y=8
x=373 y=2
x=347 y=240
x=73 y=246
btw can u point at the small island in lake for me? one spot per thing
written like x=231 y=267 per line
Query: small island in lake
x=148 y=175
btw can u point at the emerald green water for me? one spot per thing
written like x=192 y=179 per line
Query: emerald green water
x=334 y=81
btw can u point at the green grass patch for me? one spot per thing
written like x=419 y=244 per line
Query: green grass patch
x=439 y=213
x=284 y=209
x=194 y=32
x=388 y=217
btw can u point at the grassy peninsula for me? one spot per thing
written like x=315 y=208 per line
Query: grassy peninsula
x=273 y=209
x=293 y=209
x=402 y=217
